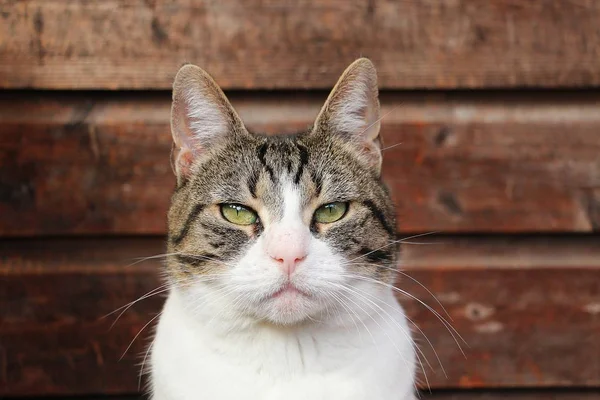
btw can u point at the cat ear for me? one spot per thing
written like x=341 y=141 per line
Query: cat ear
x=201 y=117
x=352 y=111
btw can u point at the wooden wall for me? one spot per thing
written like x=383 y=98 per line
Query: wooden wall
x=492 y=134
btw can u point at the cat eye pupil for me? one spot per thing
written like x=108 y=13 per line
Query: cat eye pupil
x=330 y=212
x=238 y=214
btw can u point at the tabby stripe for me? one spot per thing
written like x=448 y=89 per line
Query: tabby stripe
x=258 y=229
x=377 y=213
x=313 y=228
x=182 y=186
x=318 y=180
x=262 y=151
x=252 y=182
x=188 y=222
x=220 y=230
x=375 y=256
x=195 y=261
x=303 y=161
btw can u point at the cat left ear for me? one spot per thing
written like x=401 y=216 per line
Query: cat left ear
x=352 y=111
x=201 y=117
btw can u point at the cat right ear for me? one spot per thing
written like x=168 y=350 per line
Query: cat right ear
x=201 y=117
x=352 y=112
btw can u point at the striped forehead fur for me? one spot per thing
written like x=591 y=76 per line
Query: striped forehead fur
x=255 y=172
x=321 y=165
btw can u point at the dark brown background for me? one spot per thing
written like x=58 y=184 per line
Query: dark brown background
x=493 y=133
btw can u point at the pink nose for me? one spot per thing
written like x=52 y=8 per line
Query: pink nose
x=288 y=248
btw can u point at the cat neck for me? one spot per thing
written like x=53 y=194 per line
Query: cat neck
x=267 y=346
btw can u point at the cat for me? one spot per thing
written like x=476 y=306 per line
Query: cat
x=281 y=255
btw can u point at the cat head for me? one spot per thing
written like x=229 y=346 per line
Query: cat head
x=279 y=229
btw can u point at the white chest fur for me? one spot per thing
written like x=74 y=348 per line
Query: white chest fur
x=371 y=359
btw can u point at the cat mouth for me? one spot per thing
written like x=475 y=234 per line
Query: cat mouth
x=288 y=290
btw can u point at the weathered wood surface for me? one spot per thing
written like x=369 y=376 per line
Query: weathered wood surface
x=535 y=326
x=523 y=394
x=140 y=44
x=550 y=394
x=458 y=163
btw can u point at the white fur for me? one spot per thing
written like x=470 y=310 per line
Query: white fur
x=206 y=119
x=229 y=340
x=287 y=241
x=357 y=111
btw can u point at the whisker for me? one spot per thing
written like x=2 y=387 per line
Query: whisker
x=361 y=321
x=385 y=333
x=138 y=334
x=380 y=119
x=203 y=257
x=154 y=292
x=142 y=259
x=422 y=243
x=397 y=270
x=220 y=294
x=430 y=344
x=144 y=363
x=365 y=293
x=391 y=147
x=393 y=242
x=444 y=322
x=179 y=253
x=138 y=299
x=341 y=302
x=363 y=297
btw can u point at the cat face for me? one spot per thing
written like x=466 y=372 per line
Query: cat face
x=279 y=229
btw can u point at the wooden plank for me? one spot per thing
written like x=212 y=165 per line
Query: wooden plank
x=501 y=252
x=550 y=394
x=536 y=326
x=79 y=164
x=532 y=394
x=281 y=44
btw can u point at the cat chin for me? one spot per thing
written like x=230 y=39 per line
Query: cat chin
x=288 y=308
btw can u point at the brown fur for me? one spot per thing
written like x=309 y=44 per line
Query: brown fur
x=327 y=165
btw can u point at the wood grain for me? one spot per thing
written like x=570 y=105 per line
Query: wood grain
x=529 y=327
x=79 y=164
x=549 y=394
x=517 y=394
x=140 y=44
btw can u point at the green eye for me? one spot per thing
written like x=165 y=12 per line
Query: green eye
x=237 y=214
x=331 y=212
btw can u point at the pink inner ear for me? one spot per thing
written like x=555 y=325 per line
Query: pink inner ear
x=185 y=136
x=184 y=161
x=188 y=147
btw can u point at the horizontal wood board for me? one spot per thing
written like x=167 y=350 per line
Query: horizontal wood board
x=84 y=174
x=516 y=394
x=139 y=44
x=99 y=164
x=549 y=394
x=533 y=324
